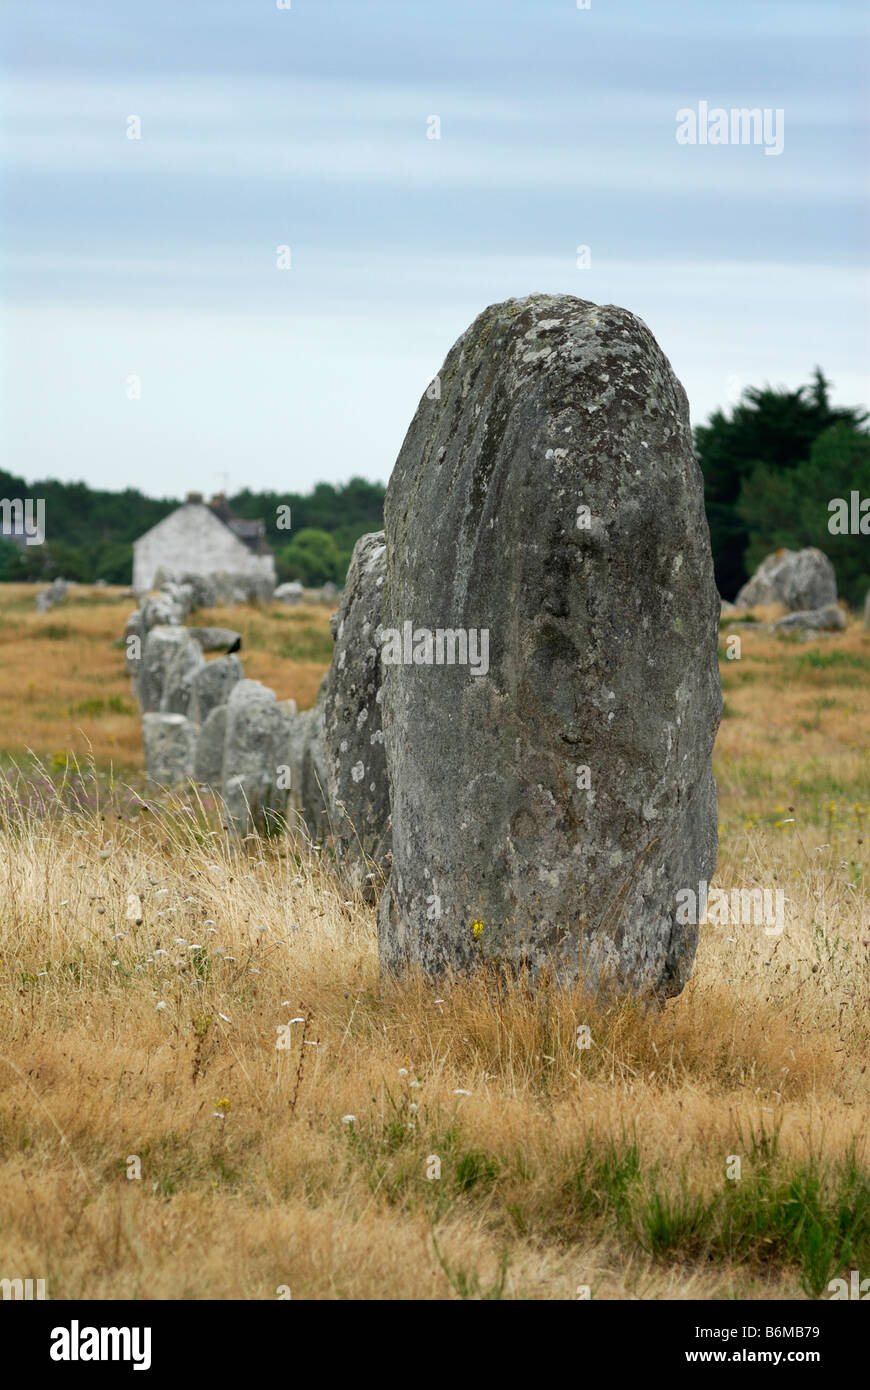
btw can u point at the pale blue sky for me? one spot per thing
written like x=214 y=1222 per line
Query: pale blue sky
x=307 y=127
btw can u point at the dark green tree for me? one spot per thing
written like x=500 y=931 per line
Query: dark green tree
x=768 y=428
x=792 y=508
x=311 y=557
x=89 y=532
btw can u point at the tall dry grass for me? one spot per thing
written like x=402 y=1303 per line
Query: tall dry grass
x=63 y=685
x=796 y=729
x=560 y=1167
x=414 y=1140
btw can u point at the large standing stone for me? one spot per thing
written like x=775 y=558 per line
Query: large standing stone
x=170 y=742
x=801 y=579
x=548 y=809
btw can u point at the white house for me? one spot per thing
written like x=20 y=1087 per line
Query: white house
x=202 y=538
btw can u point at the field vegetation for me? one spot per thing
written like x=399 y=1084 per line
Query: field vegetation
x=207 y=1092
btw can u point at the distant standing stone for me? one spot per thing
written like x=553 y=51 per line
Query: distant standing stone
x=801 y=579
x=208 y=765
x=256 y=754
x=181 y=674
x=289 y=593
x=212 y=684
x=831 y=618
x=49 y=598
x=163 y=648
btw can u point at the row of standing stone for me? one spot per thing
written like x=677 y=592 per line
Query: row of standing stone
x=542 y=811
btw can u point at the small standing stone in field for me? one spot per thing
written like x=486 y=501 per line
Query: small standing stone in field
x=800 y=579
x=291 y=592
x=831 y=618
x=49 y=598
x=170 y=742
x=256 y=744
x=339 y=773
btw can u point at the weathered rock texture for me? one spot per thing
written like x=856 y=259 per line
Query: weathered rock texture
x=309 y=777
x=182 y=673
x=256 y=755
x=602 y=655
x=164 y=649
x=867 y=610
x=339 y=773
x=801 y=579
x=208 y=763
x=347 y=722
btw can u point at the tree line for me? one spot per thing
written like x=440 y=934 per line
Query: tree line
x=772 y=466
x=90 y=532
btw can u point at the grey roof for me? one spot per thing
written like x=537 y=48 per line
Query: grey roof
x=251 y=533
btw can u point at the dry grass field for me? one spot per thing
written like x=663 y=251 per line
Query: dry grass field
x=208 y=1093
x=63 y=687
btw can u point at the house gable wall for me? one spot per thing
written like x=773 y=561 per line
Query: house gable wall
x=192 y=540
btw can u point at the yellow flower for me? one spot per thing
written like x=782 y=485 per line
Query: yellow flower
x=477 y=930
x=223 y=1104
